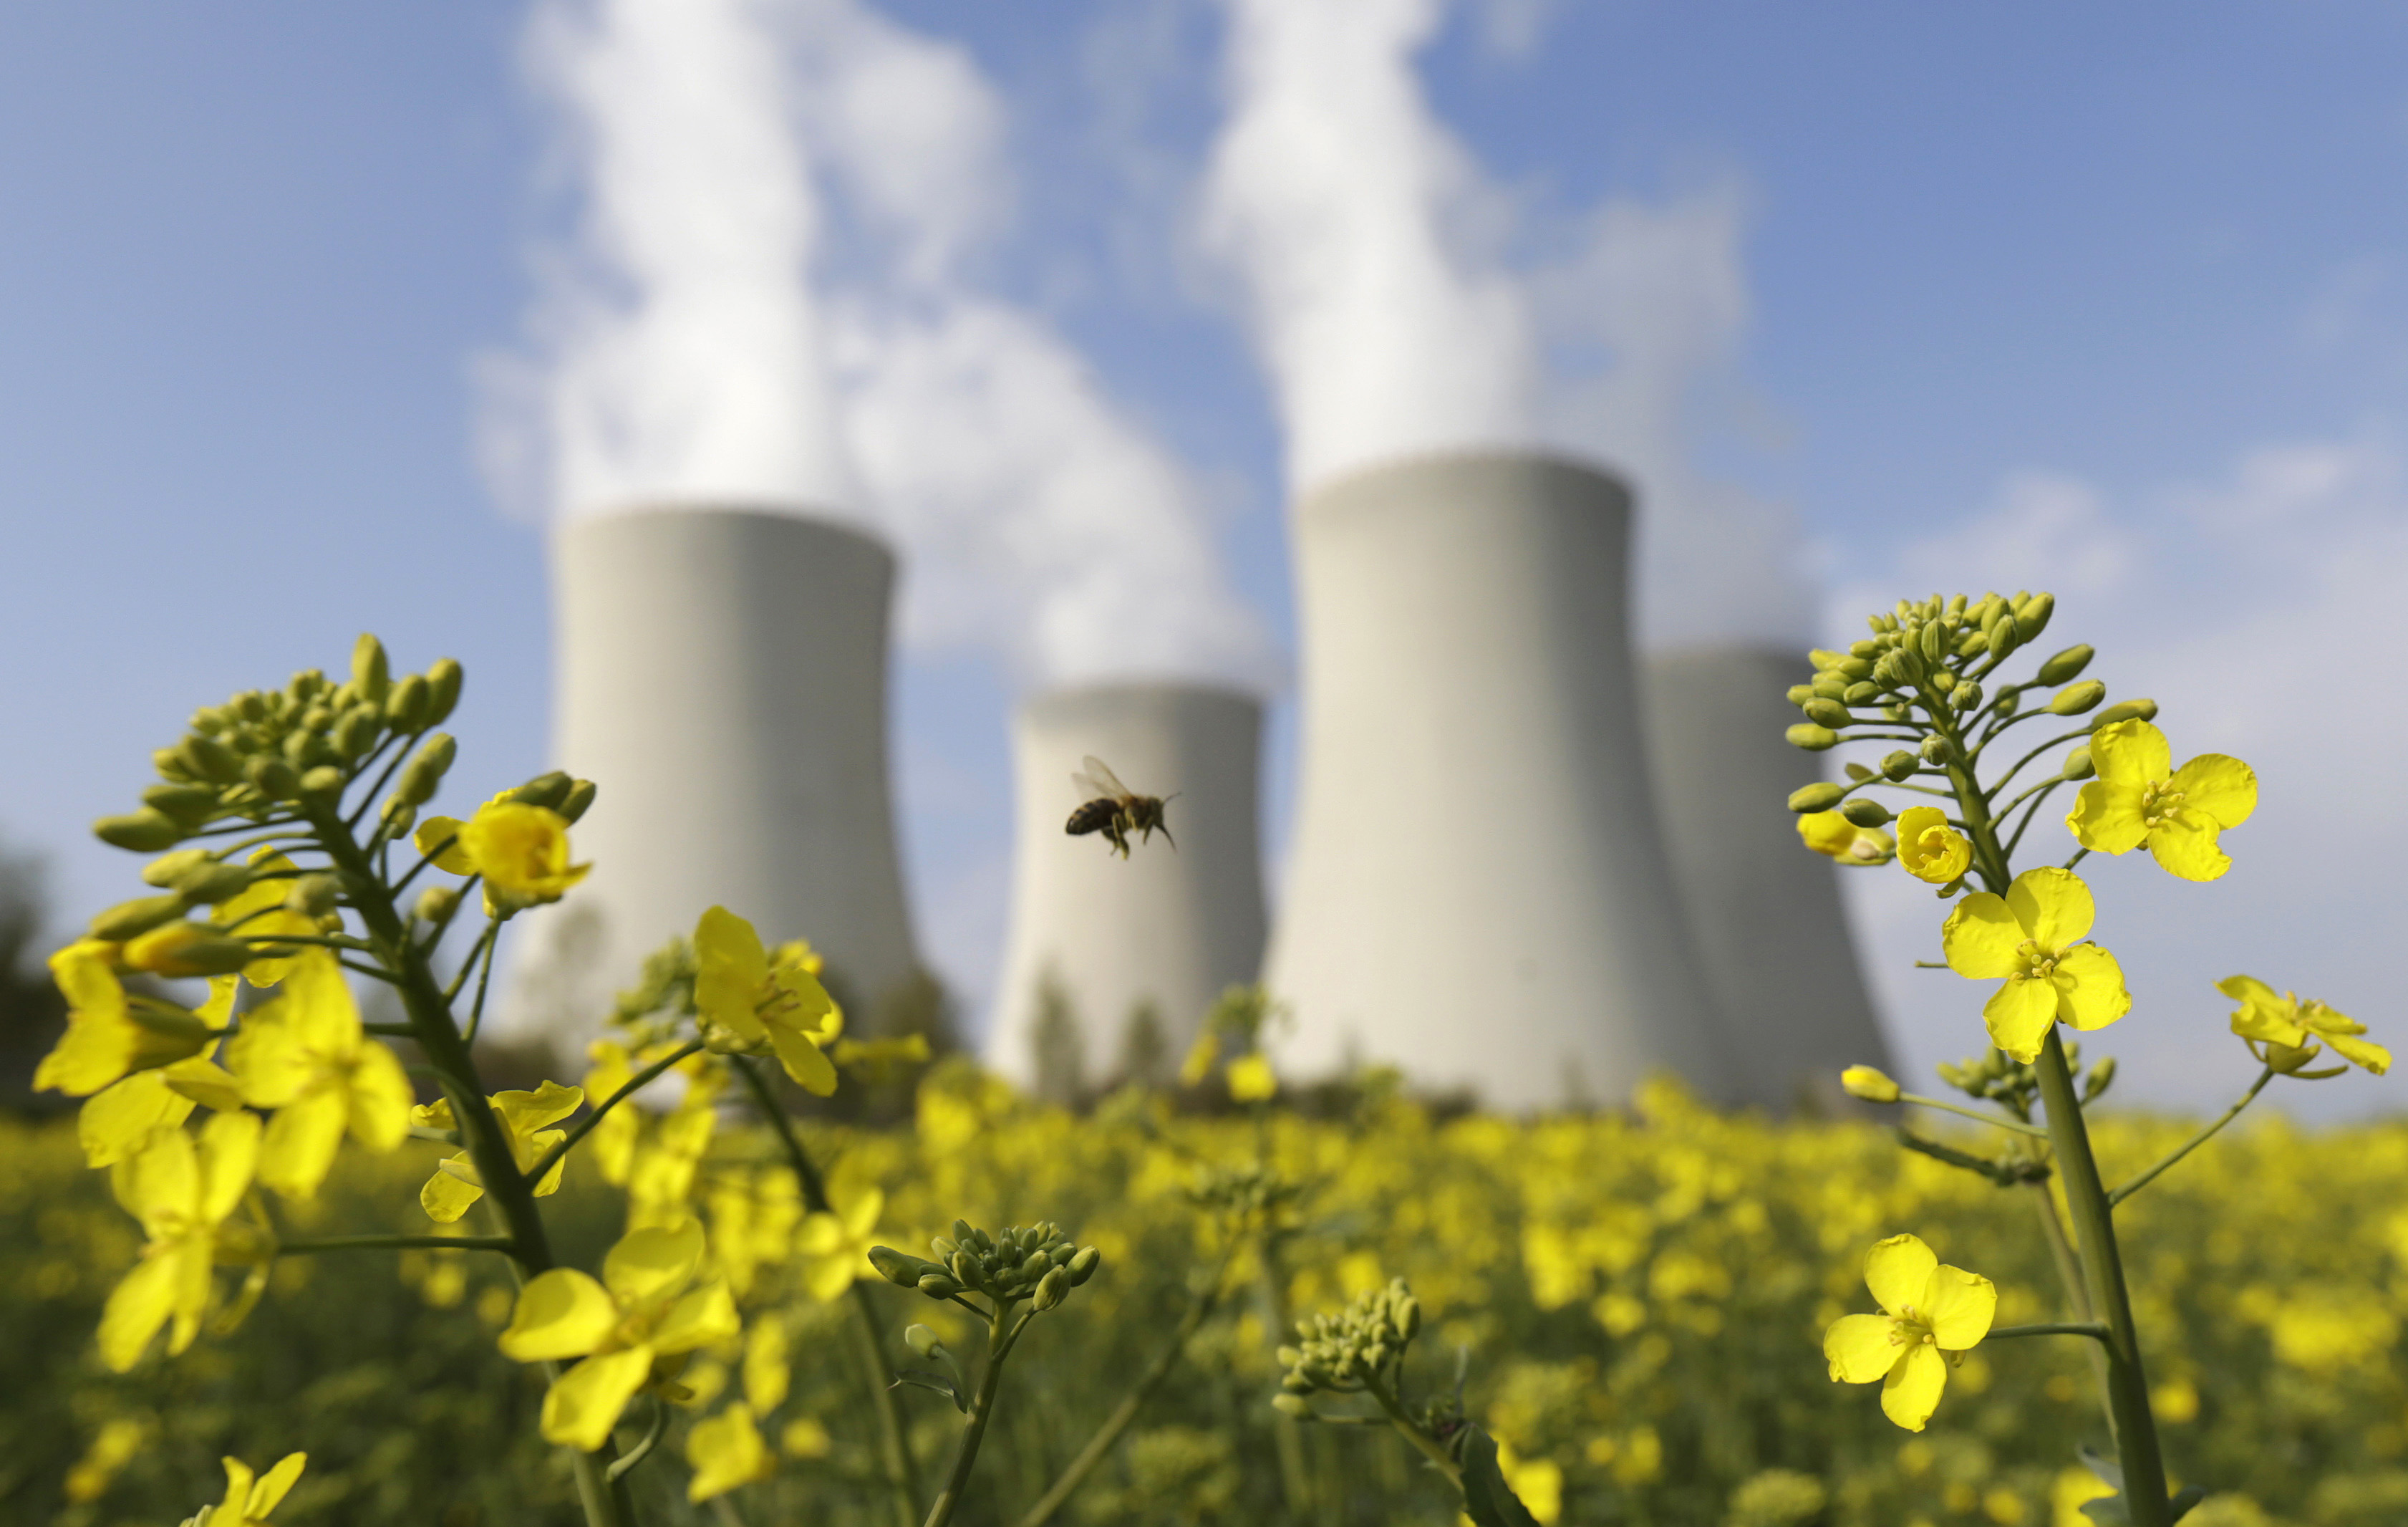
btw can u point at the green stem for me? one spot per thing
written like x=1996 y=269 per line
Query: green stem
x=480 y=1130
x=869 y=1332
x=2077 y=1291
x=585 y=1126
x=2094 y=1226
x=2120 y=1194
x=1098 y=1447
x=643 y=1449
x=314 y=1244
x=1921 y=1101
x=2091 y=1329
x=999 y=1344
x=1428 y=1445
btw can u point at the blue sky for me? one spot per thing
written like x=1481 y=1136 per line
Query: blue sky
x=2109 y=301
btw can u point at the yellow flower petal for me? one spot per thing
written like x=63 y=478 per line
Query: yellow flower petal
x=704 y=1316
x=1928 y=849
x=2053 y=906
x=862 y=1219
x=1859 y=1348
x=269 y=1491
x=542 y=1141
x=584 y=1403
x=1960 y=1308
x=2364 y=1053
x=1898 y=1270
x=228 y=1155
x=652 y=1261
x=560 y=1314
x=2224 y=788
x=238 y=1496
x=202 y=1081
x=828 y=1278
x=448 y=1195
x=767 y=1372
x=2131 y=752
x=137 y=1308
x=1911 y=1392
x=122 y=1118
x=525 y=1112
x=2106 y=817
x=2185 y=846
x=804 y=1061
x=1251 y=1078
x=2018 y=1016
x=2090 y=992
x=443 y=832
x=521 y=850
x=730 y=970
x=1826 y=833
x=726 y=1452
x=381 y=1099
x=301 y=1143
x=1980 y=938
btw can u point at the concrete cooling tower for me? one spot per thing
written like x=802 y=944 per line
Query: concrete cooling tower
x=721 y=675
x=1097 y=937
x=1766 y=912
x=1476 y=892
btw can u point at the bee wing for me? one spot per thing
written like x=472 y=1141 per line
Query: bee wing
x=1098 y=780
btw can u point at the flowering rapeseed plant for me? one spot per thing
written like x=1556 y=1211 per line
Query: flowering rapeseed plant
x=1928 y=1309
x=182 y=1190
x=750 y=1001
x=305 y=1055
x=2034 y=937
x=523 y=1117
x=2140 y=797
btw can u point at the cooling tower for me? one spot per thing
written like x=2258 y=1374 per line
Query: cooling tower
x=1167 y=927
x=1476 y=892
x=1765 y=911
x=721 y=676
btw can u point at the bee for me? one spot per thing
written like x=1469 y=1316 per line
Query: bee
x=1114 y=810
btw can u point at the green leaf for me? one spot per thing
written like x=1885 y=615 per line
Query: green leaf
x=1487 y=1498
x=2108 y=1511
x=2109 y=1469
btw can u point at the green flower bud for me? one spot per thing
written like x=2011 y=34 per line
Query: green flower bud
x=370 y=675
x=2031 y=615
x=1826 y=662
x=1973 y=644
x=1083 y=1265
x=2006 y=636
x=2067 y=664
x=2130 y=710
x=1821 y=796
x=2076 y=698
x=1409 y=1317
x=1862 y=692
x=1944 y=680
x=206 y=884
x=936 y=1285
x=164 y=871
x=924 y=1341
x=1966 y=696
x=169 y=765
x=578 y=801
x=443 y=678
x=1866 y=649
x=1800 y=693
x=2078 y=765
x=405 y=709
x=206 y=757
x=1814 y=739
x=1869 y=1084
x=1853 y=668
x=313 y=896
x=425 y=769
x=177 y=950
x=397 y=815
x=1829 y=685
x=546 y=790
x=1866 y=813
x=189 y=804
x=436 y=903
x=1828 y=713
x=1052 y=1289
x=324 y=780
x=144 y=831
x=1932 y=642
x=1935 y=751
x=131 y=919
x=272 y=777
x=2101 y=1078
x=1899 y=765
x=892 y=1266
x=357 y=731
x=967 y=1271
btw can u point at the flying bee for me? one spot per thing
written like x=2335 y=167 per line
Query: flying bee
x=1114 y=810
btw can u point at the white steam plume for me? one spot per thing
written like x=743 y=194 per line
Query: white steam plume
x=682 y=352
x=1378 y=267
x=772 y=298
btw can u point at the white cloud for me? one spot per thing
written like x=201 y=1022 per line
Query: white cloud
x=2260 y=609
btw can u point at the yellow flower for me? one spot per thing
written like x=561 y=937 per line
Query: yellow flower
x=1928 y=847
x=1835 y=836
x=1251 y=1078
x=109 y=1032
x=181 y=1191
x=633 y=1328
x=767 y=1374
x=837 y=1246
x=2285 y=1023
x=258 y=911
x=523 y=1115
x=611 y=1144
x=726 y=1452
x=248 y=1503
x=2140 y=797
x=780 y=1005
x=521 y=850
x=1869 y=1083
x=1931 y=1309
x=306 y=1055
x=2033 y=936
x=122 y=1119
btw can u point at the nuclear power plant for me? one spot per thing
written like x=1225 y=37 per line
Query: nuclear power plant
x=1476 y=892
x=1773 y=939
x=722 y=674
x=1110 y=948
